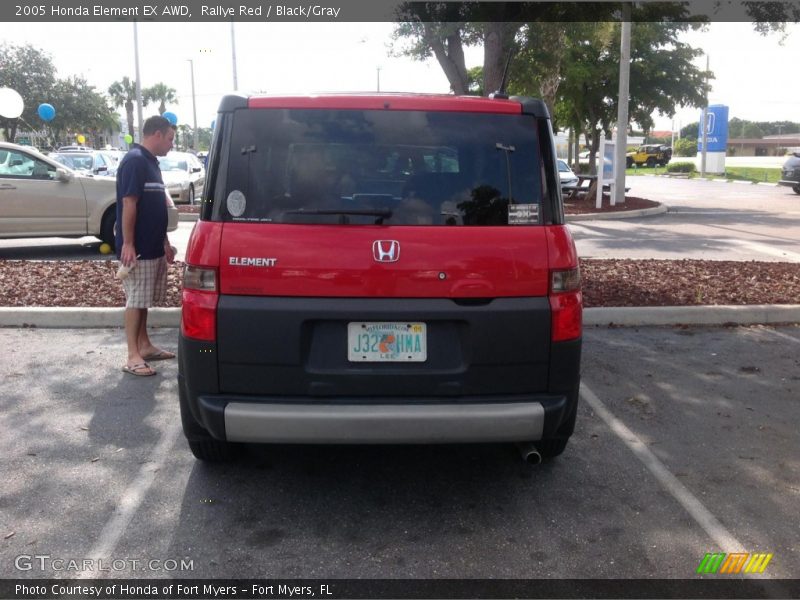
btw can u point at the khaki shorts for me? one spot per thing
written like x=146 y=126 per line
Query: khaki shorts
x=146 y=284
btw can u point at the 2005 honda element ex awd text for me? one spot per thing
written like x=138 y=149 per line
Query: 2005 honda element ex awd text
x=380 y=268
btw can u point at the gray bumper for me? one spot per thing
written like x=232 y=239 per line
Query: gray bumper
x=383 y=424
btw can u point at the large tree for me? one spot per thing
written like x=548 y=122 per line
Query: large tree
x=123 y=93
x=31 y=73
x=79 y=108
x=161 y=93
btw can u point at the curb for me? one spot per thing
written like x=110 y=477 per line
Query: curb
x=188 y=216
x=623 y=214
x=754 y=314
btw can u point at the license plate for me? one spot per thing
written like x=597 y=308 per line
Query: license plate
x=387 y=342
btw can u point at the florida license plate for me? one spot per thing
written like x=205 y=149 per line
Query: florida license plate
x=387 y=342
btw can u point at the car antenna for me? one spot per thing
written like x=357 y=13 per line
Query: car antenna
x=501 y=94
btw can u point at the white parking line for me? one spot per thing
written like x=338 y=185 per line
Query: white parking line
x=779 y=334
x=788 y=255
x=721 y=536
x=130 y=501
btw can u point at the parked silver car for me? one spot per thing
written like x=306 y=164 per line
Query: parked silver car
x=89 y=163
x=184 y=176
x=40 y=197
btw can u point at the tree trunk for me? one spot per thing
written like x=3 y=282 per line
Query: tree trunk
x=450 y=58
x=129 y=111
x=498 y=42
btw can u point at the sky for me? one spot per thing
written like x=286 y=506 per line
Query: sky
x=755 y=76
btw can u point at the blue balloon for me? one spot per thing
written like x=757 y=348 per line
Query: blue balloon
x=171 y=117
x=47 y=112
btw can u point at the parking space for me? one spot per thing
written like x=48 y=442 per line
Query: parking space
x=95 y=466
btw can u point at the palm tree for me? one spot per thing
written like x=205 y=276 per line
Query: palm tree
x=124 y=93
x=161 y=93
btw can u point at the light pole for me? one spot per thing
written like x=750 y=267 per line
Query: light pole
x=138 y=80
x=194 y=105
x=233 y=57
x=378 y=69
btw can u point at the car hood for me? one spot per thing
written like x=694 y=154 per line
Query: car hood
x=98 y=187
x=174 y=177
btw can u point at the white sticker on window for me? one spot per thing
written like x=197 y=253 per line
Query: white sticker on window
x=523 y=214
x=236 y=203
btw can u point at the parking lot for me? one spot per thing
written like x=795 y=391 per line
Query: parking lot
x=686 y=443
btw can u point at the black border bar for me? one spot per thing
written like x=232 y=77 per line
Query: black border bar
x=336 y=589
x=197 y=11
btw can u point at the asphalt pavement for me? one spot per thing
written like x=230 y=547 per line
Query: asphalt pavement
x=686 y=443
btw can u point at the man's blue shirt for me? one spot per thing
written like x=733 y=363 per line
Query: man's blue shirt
x=139 y=175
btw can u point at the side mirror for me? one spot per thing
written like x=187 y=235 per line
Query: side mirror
x=196 y=169
x=102 y=169
x=64 y=176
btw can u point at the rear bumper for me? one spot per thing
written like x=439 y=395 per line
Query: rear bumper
x=350 y=423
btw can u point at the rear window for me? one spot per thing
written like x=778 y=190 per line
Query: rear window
x=360 y=167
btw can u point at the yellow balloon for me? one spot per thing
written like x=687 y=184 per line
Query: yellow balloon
x=81 y=139
x=105 y=249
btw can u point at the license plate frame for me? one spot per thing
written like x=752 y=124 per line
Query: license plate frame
x=387 y=342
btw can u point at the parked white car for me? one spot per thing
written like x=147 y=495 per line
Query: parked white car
x=40 y=197
x=184 y=176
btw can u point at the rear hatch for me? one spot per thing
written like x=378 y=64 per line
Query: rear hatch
x=382 y=253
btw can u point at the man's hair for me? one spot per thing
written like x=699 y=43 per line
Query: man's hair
x=156 y=123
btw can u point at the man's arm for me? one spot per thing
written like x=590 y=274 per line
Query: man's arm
x=128 y=254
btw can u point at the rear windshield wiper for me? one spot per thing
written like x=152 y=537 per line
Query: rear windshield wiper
x=380 y=214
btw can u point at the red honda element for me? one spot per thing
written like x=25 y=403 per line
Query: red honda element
x=380 y=269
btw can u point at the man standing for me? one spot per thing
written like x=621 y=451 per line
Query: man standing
x=141 y=239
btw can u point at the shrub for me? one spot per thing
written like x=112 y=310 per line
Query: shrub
x=684 y=147
x=681 y=167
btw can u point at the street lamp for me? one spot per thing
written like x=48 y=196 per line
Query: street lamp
x=194 y=105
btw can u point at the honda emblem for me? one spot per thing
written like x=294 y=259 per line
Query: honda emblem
x=386 y=250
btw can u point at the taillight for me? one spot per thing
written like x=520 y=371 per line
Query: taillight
x=566 y=305
x=200 y=296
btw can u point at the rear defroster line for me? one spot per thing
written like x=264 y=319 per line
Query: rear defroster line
x=724 y=540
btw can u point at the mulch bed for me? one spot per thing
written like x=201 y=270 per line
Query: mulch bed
x=585 y=205
x=605 y=283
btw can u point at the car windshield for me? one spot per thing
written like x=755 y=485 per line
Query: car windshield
x=390 y=167
x=563 y=167
x=74 y=161
x=172 y=164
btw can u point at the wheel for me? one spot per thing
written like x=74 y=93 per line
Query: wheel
x=213 y=450
x=796 y=189
x=551 y=448
x=191 y=195
x=628 y=162
x=107 y=227
x=651 y=162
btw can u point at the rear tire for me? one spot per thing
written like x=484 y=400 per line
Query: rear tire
x=628 y=163
x=551 y=448
x=107 y=227
x=796 y=189
x=651 y=162
x=213 y=450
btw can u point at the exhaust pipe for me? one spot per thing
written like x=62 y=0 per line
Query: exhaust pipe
x=529 y=453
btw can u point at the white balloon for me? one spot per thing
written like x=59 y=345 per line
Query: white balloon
x=11 y=103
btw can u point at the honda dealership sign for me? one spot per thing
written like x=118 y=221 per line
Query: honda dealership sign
x=716 y=136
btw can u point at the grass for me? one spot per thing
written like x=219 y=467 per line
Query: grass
x=753 y=174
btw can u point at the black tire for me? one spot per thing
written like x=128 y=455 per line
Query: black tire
x=213 y=450
x=107 y=227
x=651 y=162
x=628 y=162
x=796 y=189
x=551 y=448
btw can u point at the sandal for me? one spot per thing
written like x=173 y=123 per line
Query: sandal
x=139 y=370
x=160 y=355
